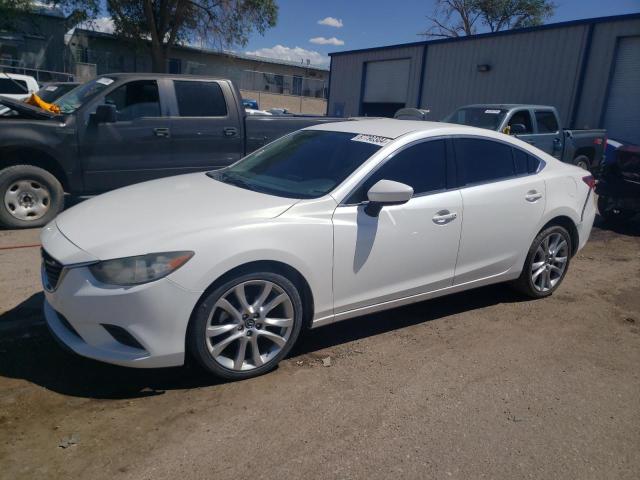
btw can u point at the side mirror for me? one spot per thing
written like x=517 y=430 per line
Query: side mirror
x=387 y=192
x=105 y=114
x=518 y=129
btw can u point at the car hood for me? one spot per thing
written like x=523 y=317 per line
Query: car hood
x=25 y=109
x=163 y=214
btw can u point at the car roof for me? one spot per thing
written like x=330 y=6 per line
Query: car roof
x=506 y=106
x=390 y=128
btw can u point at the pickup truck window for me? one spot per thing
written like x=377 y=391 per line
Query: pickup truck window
x=483 y=161
x=10 y=86
x=200 y=99
x=71 y=101
x=522 y=117
x=305 y=164
x=481 y=117
x=135 y=100
x=547 y=121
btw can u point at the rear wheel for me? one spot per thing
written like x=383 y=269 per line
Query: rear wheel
x=546 y=264
x=247 y=325
x=29 y=196
x=582 y=161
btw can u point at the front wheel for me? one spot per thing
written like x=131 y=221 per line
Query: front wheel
x=247 y=325
x=30 y=197
x=546 y=264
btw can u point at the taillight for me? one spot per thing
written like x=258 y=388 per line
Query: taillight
x=590 y=181
x=599 y=141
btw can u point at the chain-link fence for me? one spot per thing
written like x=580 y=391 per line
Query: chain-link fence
x=283 y=84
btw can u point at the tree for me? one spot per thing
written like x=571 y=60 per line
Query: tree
x=456 y=18
x=162 y=24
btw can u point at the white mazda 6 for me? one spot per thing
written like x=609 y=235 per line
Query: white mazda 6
x=325 y=224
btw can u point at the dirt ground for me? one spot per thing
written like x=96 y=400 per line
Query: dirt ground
x=482 y=384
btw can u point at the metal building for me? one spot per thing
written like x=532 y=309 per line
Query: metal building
x=588 y=69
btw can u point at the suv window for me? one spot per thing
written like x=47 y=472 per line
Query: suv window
x=523 y=117
x=422 y=166
x=483 y=160
x=524 y=162
x=135 y=99
x=547 y=122
x=200 y=99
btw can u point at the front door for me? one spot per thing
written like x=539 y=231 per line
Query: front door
x=548 y=135
x=133 y=149
x=407 y=249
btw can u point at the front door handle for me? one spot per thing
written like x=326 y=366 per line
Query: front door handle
x=230 y=131
x=443 y=217
x=162 y=132
x=533 y=196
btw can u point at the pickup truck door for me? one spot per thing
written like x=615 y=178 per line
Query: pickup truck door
x=548 y=135
x=133 y=149
x=206 y=126
x=522 y=117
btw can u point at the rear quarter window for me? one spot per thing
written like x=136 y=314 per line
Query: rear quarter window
x=525 y=163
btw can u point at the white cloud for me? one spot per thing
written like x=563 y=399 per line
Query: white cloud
x=331 y=22
x=326 y=41
x=295 y=54
x=102 y=24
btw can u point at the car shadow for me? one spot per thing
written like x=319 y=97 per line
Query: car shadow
x=29 y=352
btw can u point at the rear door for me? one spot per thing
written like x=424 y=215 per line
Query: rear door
x=133 y=149
x=548 y=136
x=205 y=126
x=503 y=201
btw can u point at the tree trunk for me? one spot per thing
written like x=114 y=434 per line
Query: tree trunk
x=158 y=59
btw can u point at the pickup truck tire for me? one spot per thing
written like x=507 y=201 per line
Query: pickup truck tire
x=582 y=161
x=29 y=197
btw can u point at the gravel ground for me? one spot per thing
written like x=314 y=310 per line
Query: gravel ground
x=482 y=384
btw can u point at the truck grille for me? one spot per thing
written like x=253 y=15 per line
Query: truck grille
x=52 y=269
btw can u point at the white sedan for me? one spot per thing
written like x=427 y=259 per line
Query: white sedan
x=327 y=223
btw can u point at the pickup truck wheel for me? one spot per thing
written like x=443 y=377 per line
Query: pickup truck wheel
x=582 y=161
x=29 y=196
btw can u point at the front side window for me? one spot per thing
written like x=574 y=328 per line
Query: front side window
x=200 y=99
x=423 y=167
x=523 y=117
x=483 y=160
x=135 y=100
x=305 y=164
x=547 y=122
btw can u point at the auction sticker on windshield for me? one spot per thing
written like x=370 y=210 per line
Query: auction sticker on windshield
x=492 y=111
x=375 y=139
x=105 y=81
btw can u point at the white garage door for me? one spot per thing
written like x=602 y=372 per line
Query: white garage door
x=387 y=81
x=622 y=117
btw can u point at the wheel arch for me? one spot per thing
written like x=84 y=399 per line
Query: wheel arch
x=569 y=225
x=36 y=157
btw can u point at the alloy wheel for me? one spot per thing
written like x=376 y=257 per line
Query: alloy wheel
x=27 y=199
x=549 y=262
x=249 y=325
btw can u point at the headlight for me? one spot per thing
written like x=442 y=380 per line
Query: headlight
x=140 y=269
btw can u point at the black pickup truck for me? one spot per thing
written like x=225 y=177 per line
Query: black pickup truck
x=121 y=129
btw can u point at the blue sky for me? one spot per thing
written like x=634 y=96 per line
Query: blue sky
x=370 y=23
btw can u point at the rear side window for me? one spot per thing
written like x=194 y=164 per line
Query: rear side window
x=10 y=86
x=200 y=99
x=547 y=122
x=525 y=163
x=422 y=166
x=483 y=160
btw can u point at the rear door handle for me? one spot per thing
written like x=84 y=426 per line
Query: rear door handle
x=230 y=131
x=162 y=132
x=443 y=217
x=533 y=196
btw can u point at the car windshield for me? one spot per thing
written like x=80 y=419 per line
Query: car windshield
x=49 y=93
x=481 y=117
x=74 y=99
x=305 y=164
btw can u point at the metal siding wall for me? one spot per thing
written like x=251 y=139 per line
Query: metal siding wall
x=346 y=73
x=600 y=63
x=531 y=67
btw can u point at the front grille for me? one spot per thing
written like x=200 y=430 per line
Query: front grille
x=52 y=269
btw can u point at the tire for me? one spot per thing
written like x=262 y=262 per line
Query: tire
x=544 y=264
x=29 y=197
x=217 y=333
x=583 y=162
x=610 y=213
